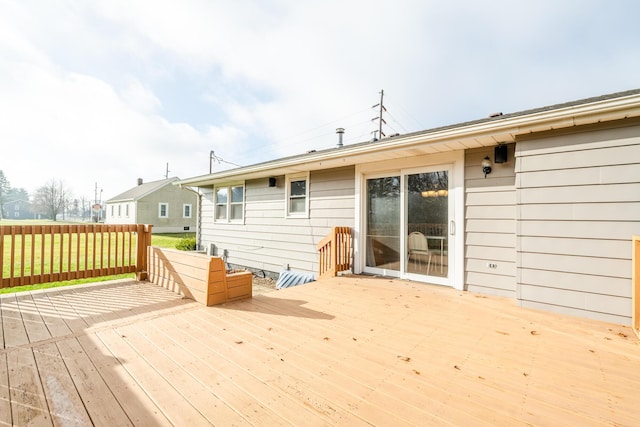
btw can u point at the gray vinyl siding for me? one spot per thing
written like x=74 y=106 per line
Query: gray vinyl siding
x=578 y=207
x=146 y=210
x=490 y=225
x=267 y=240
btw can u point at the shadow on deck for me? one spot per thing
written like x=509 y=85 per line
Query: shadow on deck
x=347 y=351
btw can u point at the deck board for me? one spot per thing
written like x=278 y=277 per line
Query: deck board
x=140 y=409
x=5 y=399
x=14 y=330
x=102 y=407
x=345 y=351
x=63 y=400
x=28 y=403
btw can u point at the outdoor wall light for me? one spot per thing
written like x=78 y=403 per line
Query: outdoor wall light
x=486 y=166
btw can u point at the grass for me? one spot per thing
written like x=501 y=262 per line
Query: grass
x=167 y=240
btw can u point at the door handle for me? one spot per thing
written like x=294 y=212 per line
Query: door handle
x=452 y=227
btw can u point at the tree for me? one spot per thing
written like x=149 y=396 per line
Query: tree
x=17 y=194
x=52 y=198
x=4 y=190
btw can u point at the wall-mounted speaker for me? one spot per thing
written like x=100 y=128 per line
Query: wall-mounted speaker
x=272 y=182
x=500 y=154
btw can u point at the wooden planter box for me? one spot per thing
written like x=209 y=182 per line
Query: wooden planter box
x=197 y=276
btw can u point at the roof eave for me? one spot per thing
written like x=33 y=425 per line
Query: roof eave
x=507 y=128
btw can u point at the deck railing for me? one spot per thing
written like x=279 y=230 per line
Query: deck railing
x=335 y=252
x=635 y=279
x=32 y=254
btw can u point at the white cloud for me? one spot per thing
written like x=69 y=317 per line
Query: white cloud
x=112 y=90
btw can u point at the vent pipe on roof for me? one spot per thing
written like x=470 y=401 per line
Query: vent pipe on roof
x=139 y=181
x=340 y=132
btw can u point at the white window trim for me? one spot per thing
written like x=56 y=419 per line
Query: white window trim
x=190 y=210
x=289 y=179
x=228 y=186
x=160 y=210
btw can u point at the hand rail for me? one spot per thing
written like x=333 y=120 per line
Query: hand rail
x=32 y=254
x=335 y=252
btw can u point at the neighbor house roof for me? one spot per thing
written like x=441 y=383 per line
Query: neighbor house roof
x=17 y=201
x=140 y=191
x=485 y=132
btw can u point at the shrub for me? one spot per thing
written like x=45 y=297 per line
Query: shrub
x=186 y=244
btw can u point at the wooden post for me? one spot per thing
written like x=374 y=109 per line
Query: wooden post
x=144 y=241
x=635 y=286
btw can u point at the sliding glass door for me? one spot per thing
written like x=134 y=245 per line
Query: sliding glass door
x=427 y=219
x=383 y=224
x=407 y=224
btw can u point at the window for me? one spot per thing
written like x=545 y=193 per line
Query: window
x=229 y=203
x=163 y=210
x=236 y=205
x=119 y=211
x=186 y=210
x=298 y=195
x=126 y=210
x=221 y=203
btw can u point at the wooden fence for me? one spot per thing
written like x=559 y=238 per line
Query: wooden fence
x=335 y=252
x=31 y=254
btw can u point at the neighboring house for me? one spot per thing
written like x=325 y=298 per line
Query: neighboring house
x=169 y=208
x=549 y=225
x=18 y=209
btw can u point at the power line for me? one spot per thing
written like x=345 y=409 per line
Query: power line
x=407 y=113
x=213 y=157
x=321 y=126
x=396 y=121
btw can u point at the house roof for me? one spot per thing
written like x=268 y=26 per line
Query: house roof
x=472 y=134
x=140 y=191
x=17 y=201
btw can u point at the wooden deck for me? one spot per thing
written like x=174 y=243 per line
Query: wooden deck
x=346 y=351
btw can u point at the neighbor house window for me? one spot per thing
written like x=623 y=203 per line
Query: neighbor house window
x=126 y=210
x=119 y=211
x=163 y=210
x=298 y=195
x=186 y=210
x=229 y=203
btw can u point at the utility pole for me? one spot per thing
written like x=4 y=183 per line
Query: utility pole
x=380 y=120
x=166 y=175
x=211 y=157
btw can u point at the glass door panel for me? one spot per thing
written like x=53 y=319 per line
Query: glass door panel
x=427 y=213
x=383 y=223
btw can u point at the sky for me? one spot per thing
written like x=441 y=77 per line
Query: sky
x=98 y=93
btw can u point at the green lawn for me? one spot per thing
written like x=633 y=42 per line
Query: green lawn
x=161 y=240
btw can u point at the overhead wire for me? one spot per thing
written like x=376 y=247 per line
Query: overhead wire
x=358 y=136
x=406 y=112
x=322 y=125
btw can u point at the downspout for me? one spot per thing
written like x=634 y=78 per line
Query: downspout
x=198 y=216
